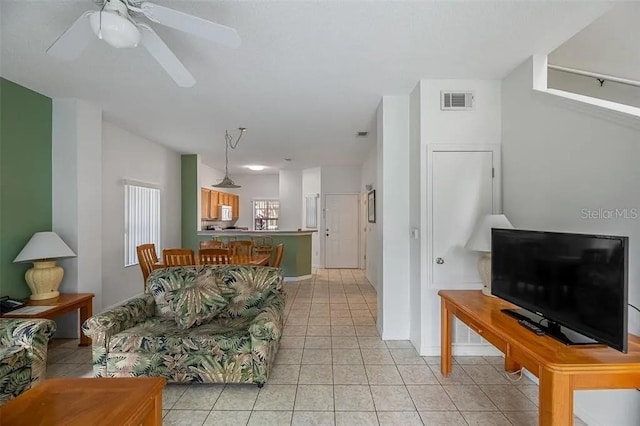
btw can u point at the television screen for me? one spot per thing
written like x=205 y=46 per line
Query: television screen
x=575 y=280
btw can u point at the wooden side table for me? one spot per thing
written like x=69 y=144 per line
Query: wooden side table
x=65 y=303
x=79 y=402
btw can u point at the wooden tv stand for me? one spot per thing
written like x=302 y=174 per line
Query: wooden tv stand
x=560 y=369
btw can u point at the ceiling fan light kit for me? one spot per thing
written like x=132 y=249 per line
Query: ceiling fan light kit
x=114 y=24
x=116 y=30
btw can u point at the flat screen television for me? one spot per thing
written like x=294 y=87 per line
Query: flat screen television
x=574 y=286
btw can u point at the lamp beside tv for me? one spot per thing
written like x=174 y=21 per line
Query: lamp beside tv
x=480 y=241
x=45 y=276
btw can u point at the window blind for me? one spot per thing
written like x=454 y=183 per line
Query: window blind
x=141 y=219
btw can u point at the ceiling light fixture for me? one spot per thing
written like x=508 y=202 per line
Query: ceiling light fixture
x=226 y=181
x=112 y=24
x=256 y=167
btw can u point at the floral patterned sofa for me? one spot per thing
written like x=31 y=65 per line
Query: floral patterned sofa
x=23 y=354
x=216 y=323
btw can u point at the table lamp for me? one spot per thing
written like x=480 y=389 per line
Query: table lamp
x=45 y=276
x=480 y=241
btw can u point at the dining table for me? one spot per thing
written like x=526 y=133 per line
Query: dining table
x=255 y=260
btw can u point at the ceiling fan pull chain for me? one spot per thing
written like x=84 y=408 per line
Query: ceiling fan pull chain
x=100 y=29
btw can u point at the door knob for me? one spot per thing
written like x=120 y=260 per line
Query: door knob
x=439 y=260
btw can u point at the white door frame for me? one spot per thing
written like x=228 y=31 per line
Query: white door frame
x=324 y=225
x=427 y=194
x=364 y=223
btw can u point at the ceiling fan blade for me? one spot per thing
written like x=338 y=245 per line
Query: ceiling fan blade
x=191 y=24
x=74 y=40
x=165 y=57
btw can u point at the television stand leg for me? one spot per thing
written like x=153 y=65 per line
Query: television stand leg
x=555 y=399
x=510 y=365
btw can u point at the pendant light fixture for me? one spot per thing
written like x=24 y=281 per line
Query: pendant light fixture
x=226 y=181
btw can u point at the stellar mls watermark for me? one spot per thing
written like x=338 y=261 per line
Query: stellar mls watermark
x=607 y=214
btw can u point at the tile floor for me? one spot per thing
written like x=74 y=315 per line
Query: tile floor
x=333 y=369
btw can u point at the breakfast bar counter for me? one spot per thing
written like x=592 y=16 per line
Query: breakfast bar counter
x=296 y=262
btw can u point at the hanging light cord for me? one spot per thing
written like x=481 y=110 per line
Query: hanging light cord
x=229 y=143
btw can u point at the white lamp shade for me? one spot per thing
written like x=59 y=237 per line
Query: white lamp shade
x=44 y=245
x=481 y=237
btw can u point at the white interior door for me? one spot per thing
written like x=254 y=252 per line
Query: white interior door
x=341 y=231
x=462 y=188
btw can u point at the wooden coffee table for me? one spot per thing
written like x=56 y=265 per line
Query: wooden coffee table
x=65 y=303
x=81 y=402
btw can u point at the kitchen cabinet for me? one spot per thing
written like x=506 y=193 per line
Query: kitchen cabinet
x=212 y=199
x=205 y=203
x=213 y=202
x=235 y=207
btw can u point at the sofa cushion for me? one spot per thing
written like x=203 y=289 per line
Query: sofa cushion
x=249 y=287
x=189 y=295
x=165 y=336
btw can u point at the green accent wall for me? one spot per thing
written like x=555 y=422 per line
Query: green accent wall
x=190 y=188
x=25 y=178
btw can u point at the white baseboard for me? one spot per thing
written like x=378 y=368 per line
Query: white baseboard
x=530 y=375
x=462 y=350
x=391 y=336
x=300 y=278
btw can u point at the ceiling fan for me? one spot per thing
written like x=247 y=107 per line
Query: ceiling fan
x=115 y=25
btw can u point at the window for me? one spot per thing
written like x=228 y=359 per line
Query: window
x=265 y=215
x=141 y=218
x=311 y=211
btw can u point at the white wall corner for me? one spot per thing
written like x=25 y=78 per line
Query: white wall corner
x=393 y=199
x=76 y=194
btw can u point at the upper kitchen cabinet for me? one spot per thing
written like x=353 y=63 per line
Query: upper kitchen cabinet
x=235 y=207
x=213 y=202
x=205 y=203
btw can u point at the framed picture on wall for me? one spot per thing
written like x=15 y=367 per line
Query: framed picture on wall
x=371 y=206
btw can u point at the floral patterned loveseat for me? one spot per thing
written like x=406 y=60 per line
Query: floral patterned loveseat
x=216 y=323
x=23 y=354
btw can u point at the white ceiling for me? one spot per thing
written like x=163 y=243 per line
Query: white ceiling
x=610 y=45
x=307 y=76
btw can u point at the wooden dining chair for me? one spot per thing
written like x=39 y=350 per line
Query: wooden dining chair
x=277 y=258
x=146 y=258
x=213 y=256
x=241 y=247
x=211 y=244
x=262 y=245
x=178 y=257
x=241 y=259
x=225 y=240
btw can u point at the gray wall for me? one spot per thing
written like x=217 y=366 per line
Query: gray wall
x=558 y=161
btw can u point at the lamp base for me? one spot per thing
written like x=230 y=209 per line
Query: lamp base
x=484 y=268
x=44 y=279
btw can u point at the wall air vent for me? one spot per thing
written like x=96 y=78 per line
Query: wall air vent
x=456 y=101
